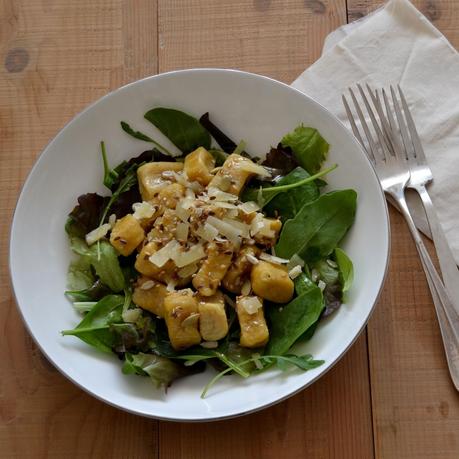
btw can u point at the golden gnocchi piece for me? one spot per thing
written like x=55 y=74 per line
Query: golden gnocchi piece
x=150 y=295
x=144 y=266
x=271 y=282
x=214 y=267
x=126 y=235
x=181 y=313
x=165 y=226
x=231 y=178
x=150 y=180
x=213 y=324
x=240 y=268
x=169 y=196
x=269 y=233
x=198 y=165
x=254 y=331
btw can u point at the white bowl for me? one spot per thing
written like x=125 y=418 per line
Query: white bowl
x=246 y=106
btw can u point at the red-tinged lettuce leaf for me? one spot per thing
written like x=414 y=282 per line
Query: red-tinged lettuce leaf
x=86 y=215
x=281 y=158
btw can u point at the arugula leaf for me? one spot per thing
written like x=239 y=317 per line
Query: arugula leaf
x=94 y=329
x=281 y=158
x=287 y=205
x=226 y=144
x=318 y=227
x=86 y=215
x=161 y=370
x=308 y=146
x=183 y=130
x=292 y=320
x=102 y=256
x=140 y=136
x=264 y=195
x=346 y=269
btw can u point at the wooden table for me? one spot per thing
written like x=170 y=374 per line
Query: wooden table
x=389 y=397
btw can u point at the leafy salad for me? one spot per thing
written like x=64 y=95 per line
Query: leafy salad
x=209 y=255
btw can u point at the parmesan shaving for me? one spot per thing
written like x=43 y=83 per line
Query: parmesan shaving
x=147 y=285
x=163 y=255
x=246 y=288
x=249 y=207
x=251 y=304
x=243 y=227
x=322 y=285
x=143 y=210
x=224 y=205
x=183 y=209
x=256 y=360
x=295 y=272
x=131 y=315
x=112 y=220
x=257 y=169
x=181 y=233
x=232 y=233
x=207 y=232
x=252 y=259
x=182 y=259
x=220 y=195
x=295 y=261
x=170 y=287
x=98 y=233
x=272 y=259
x=191 y=320
x=187 y=271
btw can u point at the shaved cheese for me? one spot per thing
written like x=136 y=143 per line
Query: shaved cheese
x=257 y=169
x=246 y=288
x=251 y=304
x=187 y=271
x=315 y=274
x=207 y=232
x=295 y=272
x=256 y=224
x=232 y=233
x=181 y=233
x=332 y=263
x=182 y=259
x=249 y=207
x=162 y=256
x=322 y=285
x=131 y=315
x=191 y=320
x=189 y=193
x=143 y=210
x=243 y=227
x=220 y=195
x=232 y=213
x=170 y=287
x=252 y=259
x=224 y=205
x=98 y=233
x=112 y=220
x=272 y=259
x=183 y=209
x=256 y=360
x=295 y=261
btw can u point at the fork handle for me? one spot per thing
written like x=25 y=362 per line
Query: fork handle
x=447 y=315
x=448 y=266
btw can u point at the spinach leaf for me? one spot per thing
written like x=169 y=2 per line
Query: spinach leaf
x=93 y=293
x=264 y=195
x=161 y=370
x=303 y=284
x=281 y=158
x=318 y=227
x=103 y=258
x=327 y=273
x=226 y=144
x=346 y=269
x=94 y=329
x=308 y=146
x=140 y=136
x=287 y=205
x=183 y=130
x=291 y=321
x=86 y=215
x=79 y=275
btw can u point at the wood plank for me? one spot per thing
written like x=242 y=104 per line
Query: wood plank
x=329 y=419
x=57 y=57
x=280 y=39
x=415 y=407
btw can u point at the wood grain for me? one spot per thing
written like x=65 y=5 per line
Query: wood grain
x=56 y=57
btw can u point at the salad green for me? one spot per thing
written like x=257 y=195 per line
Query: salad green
x=280 y=205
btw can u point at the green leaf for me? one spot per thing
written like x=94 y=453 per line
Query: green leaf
x=303 y=284
x=141 y=136
x=103 y=257
x=292 y=320
x=318 y=227
x=308 y=146
x=265 y=194
x=287 y=205
x=80 y=276
x=94 y=328
x=183 y=130
x=346 y=269
x=303 y=362
x=161 y=370
x=219 y=156
x=327 y=273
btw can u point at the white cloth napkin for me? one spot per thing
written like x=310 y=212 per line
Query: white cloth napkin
x=398 y=45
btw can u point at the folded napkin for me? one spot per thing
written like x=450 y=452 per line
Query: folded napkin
x=398 y=45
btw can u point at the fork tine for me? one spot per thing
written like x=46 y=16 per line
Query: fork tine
x=364 y=124
x=418 y=150
x=402 y=125
x=355 y=130
x=377 y=128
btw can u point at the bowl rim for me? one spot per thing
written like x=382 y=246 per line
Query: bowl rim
x=21 y=197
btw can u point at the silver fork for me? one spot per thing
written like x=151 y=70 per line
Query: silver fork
x=421 y=175
x=392 y=168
